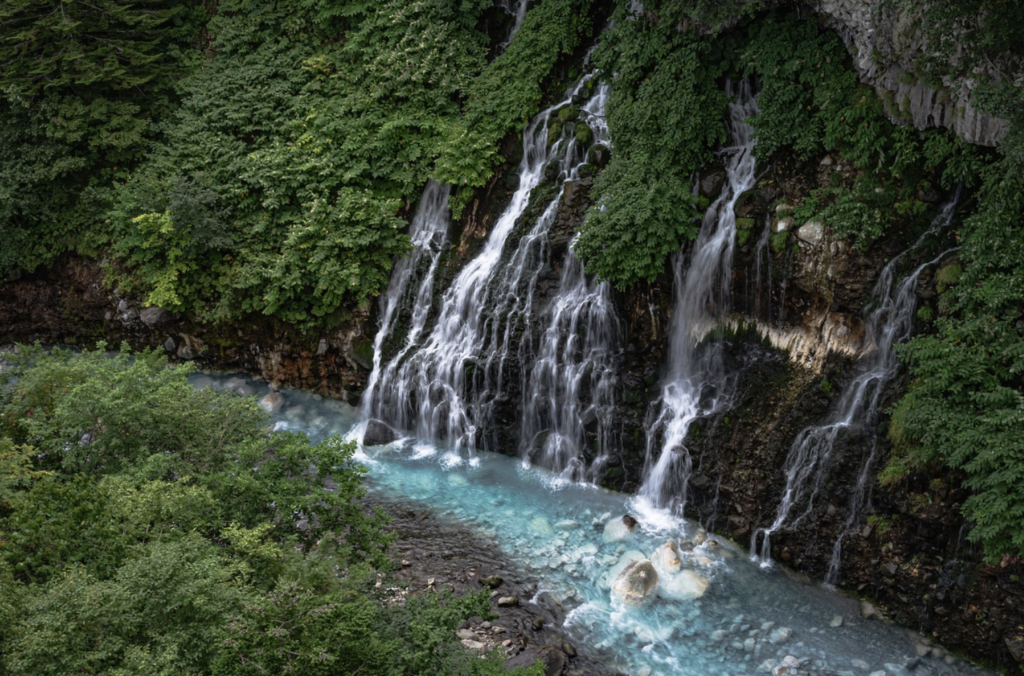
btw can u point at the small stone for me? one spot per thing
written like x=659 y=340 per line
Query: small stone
x=485 y=625
x=405 y=563
x=826 y=161
x=811 y=232
x=783 y=224
x=272 y=403
x=492 y=581
x=868 y=611
x=431 y=581
x=567 y=524
x=466 y=634
x=498 y=630
x=169 y=345
x=780 y=635
x=767 y=665
x=508 y=601
x=537 y=624
x=749 y=644
x=719 y=635
x=507 y=642
x=152 y=316
x=921 y=649
x=878 y=673
x=790 y=661
x=473 y=645
x=860 y=664
x=542 y=527
x=837 y=621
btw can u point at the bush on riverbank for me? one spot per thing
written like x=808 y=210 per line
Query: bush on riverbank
x=148 y=527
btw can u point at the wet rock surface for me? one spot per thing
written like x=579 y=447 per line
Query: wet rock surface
x=437 y=554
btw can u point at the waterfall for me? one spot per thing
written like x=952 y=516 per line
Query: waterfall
x=519 y=13
x=443 y=387
x=572 y=384
x=696 y=384
x=890 y=323
x=428 y=233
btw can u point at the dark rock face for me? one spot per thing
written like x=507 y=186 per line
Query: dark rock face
x=378 y=433
x=70 y=305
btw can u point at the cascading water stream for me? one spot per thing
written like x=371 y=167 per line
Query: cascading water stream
x=859 y=406
x=428 y=233
x=572 y=383
x=519 y=13
x=442 y=387
x=696 y=384
x=517 y=279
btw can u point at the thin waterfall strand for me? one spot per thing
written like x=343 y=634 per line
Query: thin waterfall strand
x=696 y=384
x=890 y=323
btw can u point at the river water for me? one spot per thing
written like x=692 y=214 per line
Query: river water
x=717 y=614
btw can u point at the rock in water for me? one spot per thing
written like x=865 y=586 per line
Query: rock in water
x=636 y=582
x=683 y=586
x=666 y=558
x=542 y=527
x=378 y=433
x=619 y=529
x=272 y=402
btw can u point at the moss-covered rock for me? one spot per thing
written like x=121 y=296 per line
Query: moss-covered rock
x=584 y=134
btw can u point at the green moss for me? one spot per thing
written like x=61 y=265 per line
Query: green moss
x=744 y=223
x=742 y=237
x=778 y=241
x=947 y=276
x=554 y=131
x=568 y=113
x=584 y=135
x=925 y=314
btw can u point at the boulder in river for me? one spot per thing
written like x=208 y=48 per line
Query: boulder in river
x=378 y=433
x=619 y=529
x=683 y=586
x=666 y=558
x=636 y=582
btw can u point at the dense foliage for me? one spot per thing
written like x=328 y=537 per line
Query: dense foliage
x=965 y=407
x=293 y=137
x=665 y=117
x=148 y=527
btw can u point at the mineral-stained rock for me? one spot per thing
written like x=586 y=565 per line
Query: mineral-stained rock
x=636 y=582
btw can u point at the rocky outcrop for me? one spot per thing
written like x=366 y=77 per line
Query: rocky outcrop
x=887 y=44
x=71 y=305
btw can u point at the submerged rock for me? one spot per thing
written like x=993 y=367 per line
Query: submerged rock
x=542 y=527
x=378 y=433
x=683 y=586
x=636 y=582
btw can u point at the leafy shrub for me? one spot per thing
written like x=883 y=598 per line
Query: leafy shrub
x=182 y=536
x=665 y=115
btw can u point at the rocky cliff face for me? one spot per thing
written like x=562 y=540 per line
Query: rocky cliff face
x=70 y=305
x=887 y=45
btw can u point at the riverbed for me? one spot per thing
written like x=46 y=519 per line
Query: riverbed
x=714 y=611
